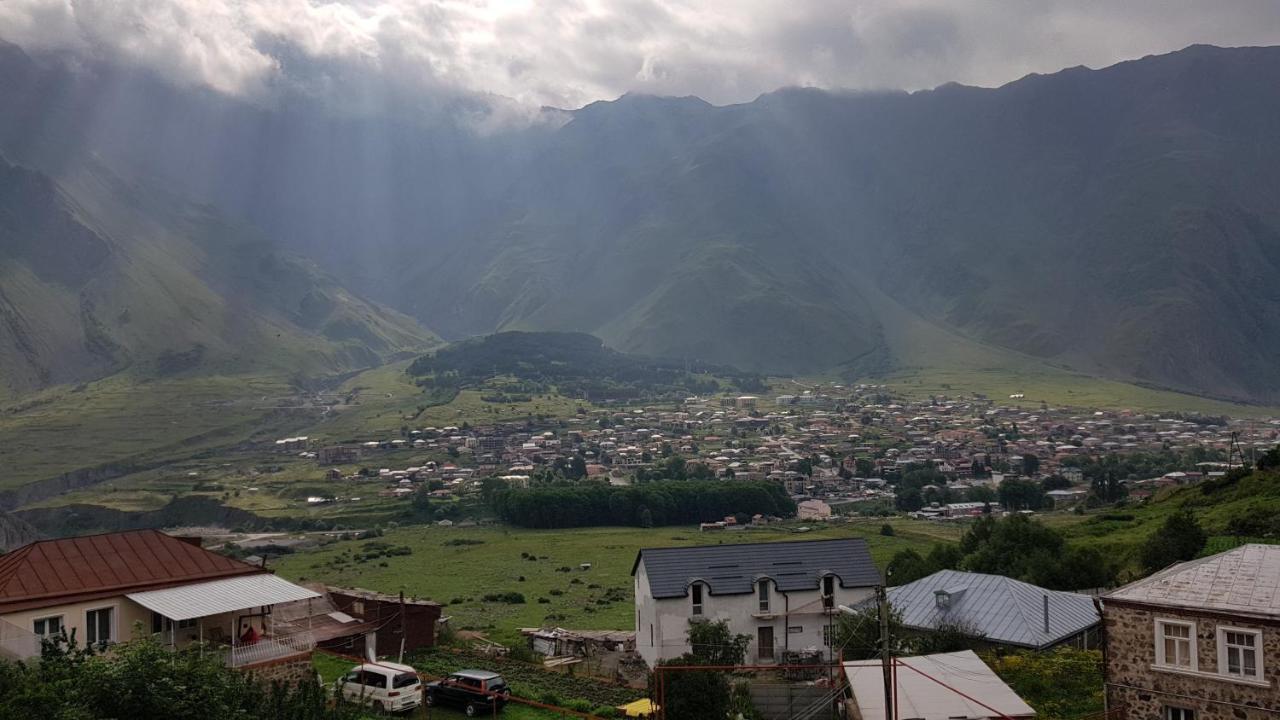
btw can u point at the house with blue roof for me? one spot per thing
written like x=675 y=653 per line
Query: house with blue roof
x=785 y=595
x=997 y=610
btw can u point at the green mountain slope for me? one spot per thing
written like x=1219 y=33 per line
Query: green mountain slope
x=1120 y=222
x=98 y=276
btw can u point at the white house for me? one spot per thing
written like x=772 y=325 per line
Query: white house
x=784 y=595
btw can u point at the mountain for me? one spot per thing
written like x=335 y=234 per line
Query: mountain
x=1120 y=222
x=99 y=276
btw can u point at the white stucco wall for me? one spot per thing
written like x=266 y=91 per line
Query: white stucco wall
x=662 y=625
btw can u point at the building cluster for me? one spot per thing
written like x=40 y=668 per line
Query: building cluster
x=837 y=449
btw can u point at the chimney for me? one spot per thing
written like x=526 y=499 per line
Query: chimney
x=1046 y=613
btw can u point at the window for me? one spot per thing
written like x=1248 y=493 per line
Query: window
x=764 y=596
x=1176 y=644
x=828 y=592
x=697 y=598
x=795 y=629
x=1178 y=713
x=162 y=624
x=98 y=624
x=1239 y=653
x=47 y=626
x=826 y=635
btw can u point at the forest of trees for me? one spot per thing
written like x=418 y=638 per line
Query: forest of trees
x=1018 y=547
x=670 y=502
x=575 y=365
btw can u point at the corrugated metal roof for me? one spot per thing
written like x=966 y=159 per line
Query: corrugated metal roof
x=734 y=569
x=49 y=569
x=920 y=697
x=1244 y=580
x=1002 y=609
x=186 y=602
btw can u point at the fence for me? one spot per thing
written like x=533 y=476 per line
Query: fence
x=271 y=648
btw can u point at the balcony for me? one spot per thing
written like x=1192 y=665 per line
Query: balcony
x=270 y=648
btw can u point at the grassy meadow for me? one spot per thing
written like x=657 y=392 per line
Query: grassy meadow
x=459 y=566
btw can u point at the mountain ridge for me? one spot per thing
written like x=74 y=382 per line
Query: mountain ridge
x=1119 y=222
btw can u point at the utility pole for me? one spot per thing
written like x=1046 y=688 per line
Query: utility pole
x=882 y=599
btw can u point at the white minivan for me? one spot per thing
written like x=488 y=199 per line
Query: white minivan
x=390 y=686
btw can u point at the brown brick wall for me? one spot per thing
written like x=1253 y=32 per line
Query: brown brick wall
x=1144 y=692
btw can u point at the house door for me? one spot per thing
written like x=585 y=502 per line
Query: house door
x=765 y=637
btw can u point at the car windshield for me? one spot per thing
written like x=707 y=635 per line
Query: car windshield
x=404 y=680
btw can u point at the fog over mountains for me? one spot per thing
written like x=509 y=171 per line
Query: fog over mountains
x=1124 y=222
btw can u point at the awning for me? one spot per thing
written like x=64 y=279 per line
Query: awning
x=187 y=602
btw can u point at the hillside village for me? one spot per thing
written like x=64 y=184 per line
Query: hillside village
x=836 y=451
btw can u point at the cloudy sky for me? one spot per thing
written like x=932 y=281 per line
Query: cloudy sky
x=567 y=53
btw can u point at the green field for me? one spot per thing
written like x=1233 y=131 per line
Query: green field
x=933 y=360
x=119 y=420
x=386 y=399
x=444 y=569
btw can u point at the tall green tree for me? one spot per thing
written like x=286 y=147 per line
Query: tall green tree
x=1180 y=538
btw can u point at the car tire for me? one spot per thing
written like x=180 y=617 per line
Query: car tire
x=472 y=710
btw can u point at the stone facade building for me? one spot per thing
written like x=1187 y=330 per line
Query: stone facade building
x=1197 y=641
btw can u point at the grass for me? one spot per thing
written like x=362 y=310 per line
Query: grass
x=934 y=360
x=459 y=575
x=120 y=420
x=386 y=399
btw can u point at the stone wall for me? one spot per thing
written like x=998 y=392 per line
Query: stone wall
x=290 y=670
x=1145 y=691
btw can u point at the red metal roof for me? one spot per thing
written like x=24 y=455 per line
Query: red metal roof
x=51 y=572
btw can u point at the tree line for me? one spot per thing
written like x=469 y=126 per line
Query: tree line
x=667 y=502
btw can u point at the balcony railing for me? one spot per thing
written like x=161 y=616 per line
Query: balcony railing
x=271 y=648
x=17 y=643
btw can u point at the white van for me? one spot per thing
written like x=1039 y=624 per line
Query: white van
x=390 y=686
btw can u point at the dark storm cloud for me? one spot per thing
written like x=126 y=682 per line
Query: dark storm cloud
x=576 y=51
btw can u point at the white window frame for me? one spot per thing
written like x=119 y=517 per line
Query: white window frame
x=62 y=625
x=764 y=597
x=1258 y=675
x=1176 y=712
x=1161 y=660
x=115 y=623
x=698 y=599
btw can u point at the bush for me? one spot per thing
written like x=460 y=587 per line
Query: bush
x=887 y=530
x=510 y=598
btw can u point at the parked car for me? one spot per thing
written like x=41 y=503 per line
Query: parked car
x=390 y=686
x=477 y=692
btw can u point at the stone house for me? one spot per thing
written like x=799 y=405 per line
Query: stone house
x=1197 y=641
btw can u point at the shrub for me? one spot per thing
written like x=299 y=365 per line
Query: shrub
x=511 y=598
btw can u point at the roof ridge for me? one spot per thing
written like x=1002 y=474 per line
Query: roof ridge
x=710 y=546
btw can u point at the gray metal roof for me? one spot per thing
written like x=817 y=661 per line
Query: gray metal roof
x=734 y=569
x=1002 y=609
x=187 y=602
x=1245 y=580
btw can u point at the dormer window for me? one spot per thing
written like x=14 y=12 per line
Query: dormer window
x=828 y=592
x=697 y=598
x=764 y=595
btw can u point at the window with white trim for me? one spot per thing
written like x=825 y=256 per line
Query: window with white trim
x=1240 y=653
x=764 y=595
x=47 y=626
x=100 y=626
x=1178 y=713
x=697 y=598
x=1176 y=644
x=828 y=592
